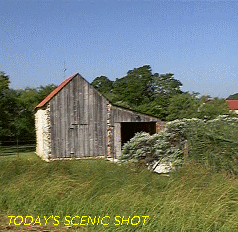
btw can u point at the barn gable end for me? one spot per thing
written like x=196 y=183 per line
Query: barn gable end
x=75 y=120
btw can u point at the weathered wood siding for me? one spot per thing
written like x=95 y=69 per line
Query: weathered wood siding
x=119 y=115
x=83 y=123
x=124 y=115
x=78 y=121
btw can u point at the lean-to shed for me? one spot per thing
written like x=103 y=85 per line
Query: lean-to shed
x=75 y=120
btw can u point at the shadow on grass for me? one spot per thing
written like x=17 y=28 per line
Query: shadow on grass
x=13 y=150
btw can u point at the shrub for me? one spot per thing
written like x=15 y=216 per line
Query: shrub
x=148 y=149
x=213 y=143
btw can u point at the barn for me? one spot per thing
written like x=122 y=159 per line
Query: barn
x=76 y=121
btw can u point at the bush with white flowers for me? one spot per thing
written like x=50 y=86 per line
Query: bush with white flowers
x=213 y=143
x=145 y=148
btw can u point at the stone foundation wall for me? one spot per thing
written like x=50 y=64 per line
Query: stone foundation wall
x=109 y=131
x=43 y=138
x=160 y=125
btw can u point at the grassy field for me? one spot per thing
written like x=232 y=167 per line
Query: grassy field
x=102 y=196
x=13 y=151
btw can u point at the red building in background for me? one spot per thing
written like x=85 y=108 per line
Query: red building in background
x=233 y=105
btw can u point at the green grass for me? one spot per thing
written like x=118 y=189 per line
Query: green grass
x=15 y=150
x=190 y=199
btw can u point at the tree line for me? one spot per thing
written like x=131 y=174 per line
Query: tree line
x=155 y=94
x=17 y=110
x=159 y=95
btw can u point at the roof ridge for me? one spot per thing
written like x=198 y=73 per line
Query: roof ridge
x=55 y=91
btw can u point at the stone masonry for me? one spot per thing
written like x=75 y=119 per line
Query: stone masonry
x=43 y=141
x=109 y=130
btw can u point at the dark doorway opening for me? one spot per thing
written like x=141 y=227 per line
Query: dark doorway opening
x=129 y=129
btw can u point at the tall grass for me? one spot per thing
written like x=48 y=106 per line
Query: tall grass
x=192 y=198
x=215 y=144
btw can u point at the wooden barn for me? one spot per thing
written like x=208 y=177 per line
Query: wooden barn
x=75 y=120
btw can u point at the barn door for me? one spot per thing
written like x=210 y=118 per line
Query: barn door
x=73 y=140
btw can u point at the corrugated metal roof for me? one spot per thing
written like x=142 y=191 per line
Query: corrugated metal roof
x=55 y=91
x=233 y=104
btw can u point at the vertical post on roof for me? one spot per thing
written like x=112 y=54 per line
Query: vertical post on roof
x=64 y=70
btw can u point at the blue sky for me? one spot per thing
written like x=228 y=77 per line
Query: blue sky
x=195 y=40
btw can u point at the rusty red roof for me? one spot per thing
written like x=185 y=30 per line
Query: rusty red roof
x=55 y=91
x=233 y=104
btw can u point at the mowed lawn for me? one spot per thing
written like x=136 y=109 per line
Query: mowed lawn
x=97 y=195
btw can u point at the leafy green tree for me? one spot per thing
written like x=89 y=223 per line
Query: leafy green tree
x=183 y=106
x=141 y=90
x=210 y=109
x=43 y=91
x=165 y=84
x=17 y=110
x=135 y=87
x=4 y=82
x=233 y=97
x=157 y=108
x=190 y=106
x=4 y=114
x=102 y=84
x=27 y=101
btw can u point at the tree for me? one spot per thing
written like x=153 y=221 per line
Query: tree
x=233 y=97
x=165 y=84
x=141 y=90
x=183 y=106
x=43 y=91
x=135 y=87
x=190 y=106
x=102 y=84
x=157 y=108
x=27 y=101
x=4 y=82
x=17 y=109
x=210 y=109
x=4 y=113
